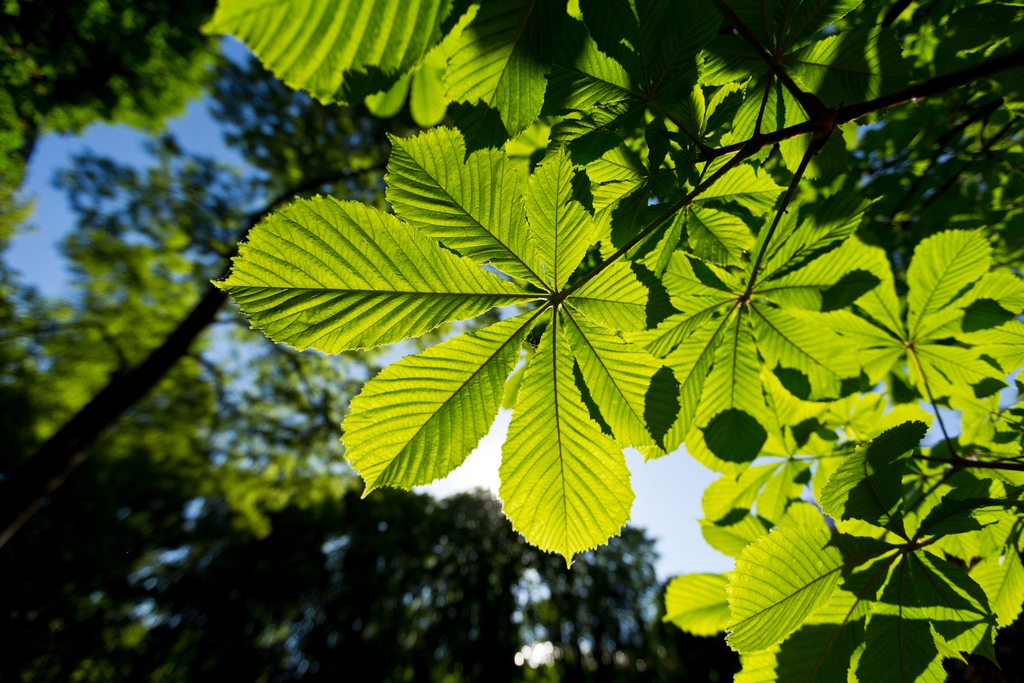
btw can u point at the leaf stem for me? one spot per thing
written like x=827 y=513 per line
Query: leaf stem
x=671 y=211
x=817 y=142
x=764 y=105
x=931 y=399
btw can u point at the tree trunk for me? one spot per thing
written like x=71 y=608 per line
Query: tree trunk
x=23 y=492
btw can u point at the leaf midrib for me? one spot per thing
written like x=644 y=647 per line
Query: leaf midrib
x=508 y=59
x=384 y=292
x=844 y=565
x=476 y=220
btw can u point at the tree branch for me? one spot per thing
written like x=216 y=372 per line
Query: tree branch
x=894 y=12
x=22 y=492
x=929 y=88
x=817 y=142
x=932 y=87
x=959 y=463
x=747 y=148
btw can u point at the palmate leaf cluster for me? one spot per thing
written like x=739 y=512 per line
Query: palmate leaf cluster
x=691 y=245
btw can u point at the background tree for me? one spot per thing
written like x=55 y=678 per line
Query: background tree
x=67 y=64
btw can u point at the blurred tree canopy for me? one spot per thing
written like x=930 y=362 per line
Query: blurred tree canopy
x=214 y=532
x=68 y=63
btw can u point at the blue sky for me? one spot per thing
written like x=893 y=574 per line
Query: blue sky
x=668 y=490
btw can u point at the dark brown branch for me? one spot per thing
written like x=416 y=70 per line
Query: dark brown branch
x=894 y=12
x=932 y=87
x=929 y=88
x=749 y=147
x=959 y=463
x=22 y=493
x=764 y=105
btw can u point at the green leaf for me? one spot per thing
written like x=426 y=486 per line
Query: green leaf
x=782 y=489
x=803 y=344
x=724 y=334
x=943 y=265
x=729 y=493
x=778 y=24
x=782 y=578
x=696 y=603
x=472 y=204
x=388 y=103
x=799 y=240
x=1005 y=344
x=515 y=380
x=420 y=417
x=926 y=604
x=848 y=67
x=503 y=57
x=868 y=485
x=745 y=186
x=614 y=298
x=338 y=50
x=717 y=236
x=333 y=275
x=1002 y=578
x=800 y=513
x=953 y=603
x=618 y=375
x=560 y=225
x=900 y=650
x=658 y=258
x=582 y=76
x=730 y=58
x=730 y=537
x=725 y=427
x=564 y=484
x=655 y=40
x=427 y=102
x=945 y=269
x=969 y=507
x=820 y=651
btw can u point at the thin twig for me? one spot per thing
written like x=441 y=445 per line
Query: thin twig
x=929 y=88
x=764 y=105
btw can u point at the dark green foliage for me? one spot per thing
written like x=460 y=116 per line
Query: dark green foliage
x=66 y=64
